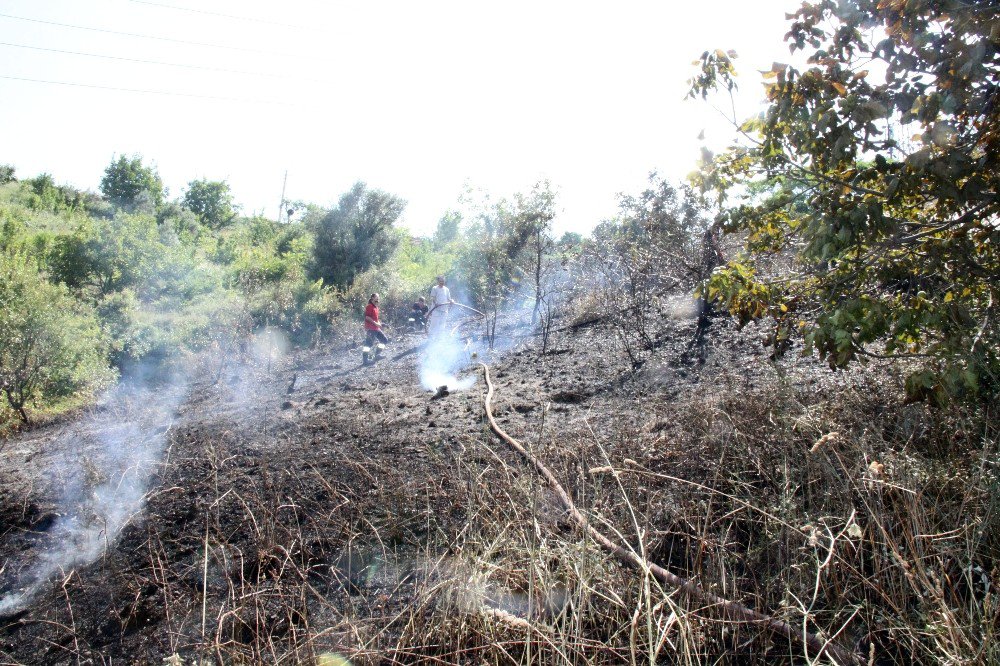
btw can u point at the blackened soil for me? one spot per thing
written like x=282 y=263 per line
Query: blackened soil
x=287 y=499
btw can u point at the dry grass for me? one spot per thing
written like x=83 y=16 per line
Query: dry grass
x=834 y=508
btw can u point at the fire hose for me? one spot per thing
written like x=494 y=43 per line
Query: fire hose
x=461 y=305
x=733 y=610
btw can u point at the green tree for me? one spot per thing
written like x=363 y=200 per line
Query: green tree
x=570 y=243
x=892 y=246
x=447 y=228
x=109 y=255
x=127 y=178
x=51 y=342
x=356 y=235
x=211 y=201
x=7 y=172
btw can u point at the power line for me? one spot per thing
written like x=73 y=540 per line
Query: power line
x=146 y=92
x=141 y=36
x=158 y=62
x=229 y=16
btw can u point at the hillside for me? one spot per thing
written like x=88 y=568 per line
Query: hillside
x=322 y=507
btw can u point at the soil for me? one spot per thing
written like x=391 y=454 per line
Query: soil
x=289 y=498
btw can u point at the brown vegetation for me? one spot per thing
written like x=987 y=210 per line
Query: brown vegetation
x=355 y=516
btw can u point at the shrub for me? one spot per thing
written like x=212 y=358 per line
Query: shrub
x=356 y=235
x=127 y=178
x=52 y=343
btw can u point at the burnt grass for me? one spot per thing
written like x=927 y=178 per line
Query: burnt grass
x=323 y=506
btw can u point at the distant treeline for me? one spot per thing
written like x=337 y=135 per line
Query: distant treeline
x=95 y=283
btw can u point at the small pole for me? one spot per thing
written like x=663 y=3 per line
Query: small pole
x=281 y=206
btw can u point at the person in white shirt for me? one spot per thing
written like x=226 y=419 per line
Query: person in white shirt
x=440 y=305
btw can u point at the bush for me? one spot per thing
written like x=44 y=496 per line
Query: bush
x=356 y=235
x=109 y=255
x=127 y=178
x=127 y=339
x=52 y=343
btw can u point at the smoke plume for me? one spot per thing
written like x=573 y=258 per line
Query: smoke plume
x=108 y=462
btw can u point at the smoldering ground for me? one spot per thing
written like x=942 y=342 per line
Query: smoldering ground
x=98 y=483
x=106 y=462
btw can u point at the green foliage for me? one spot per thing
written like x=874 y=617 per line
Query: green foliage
x=496 y=254
x=128 y=340
x=41 y=193
x=356 y=235
x=570 y=243
x=109 y=255
x=181 y=219
x=447 y=229
x=211 y=201
x=52 y=343
x=886 y=248
x=267 y=265
x=407 y=275
x=7 y=172
x=127 y=182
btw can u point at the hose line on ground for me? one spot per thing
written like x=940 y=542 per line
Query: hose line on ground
x=732 y=610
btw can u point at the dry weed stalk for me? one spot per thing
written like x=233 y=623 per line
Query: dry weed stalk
x=730 y=609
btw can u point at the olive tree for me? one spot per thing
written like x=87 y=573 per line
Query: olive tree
x=355 y=235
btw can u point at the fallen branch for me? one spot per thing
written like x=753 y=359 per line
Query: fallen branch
x=732 y=610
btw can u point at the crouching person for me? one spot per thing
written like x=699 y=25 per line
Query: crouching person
x=418 y=314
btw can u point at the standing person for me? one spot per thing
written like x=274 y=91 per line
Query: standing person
x=373 y=325
x=440 y=305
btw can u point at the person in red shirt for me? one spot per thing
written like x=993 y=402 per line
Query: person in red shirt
x=373 y=325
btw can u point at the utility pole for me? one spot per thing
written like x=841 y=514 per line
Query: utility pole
x=281 y=206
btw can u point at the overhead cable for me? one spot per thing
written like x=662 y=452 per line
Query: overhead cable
x=158 y=38
x=220 y=14
x=147 y=92
x=159 y=62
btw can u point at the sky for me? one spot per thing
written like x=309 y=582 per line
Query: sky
x=421 y=99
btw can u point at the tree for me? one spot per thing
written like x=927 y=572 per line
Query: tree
x=52 y=343
x=356 y=235
x=126 y=179
x=211 y=201
x=447 y=228
x=570 y=243
x=891 y=251
x=7 y=172
x=649 y=250
x=535 y=212
x=109 y=255
x=497 y=253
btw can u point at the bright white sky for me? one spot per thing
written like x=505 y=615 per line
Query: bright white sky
x=416 y=98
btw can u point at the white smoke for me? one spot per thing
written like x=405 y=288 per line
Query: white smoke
x=443 y=359
x=110 y=458
x=269 y=345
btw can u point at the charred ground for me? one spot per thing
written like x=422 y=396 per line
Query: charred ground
x=324 y=507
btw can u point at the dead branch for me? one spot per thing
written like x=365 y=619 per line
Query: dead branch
x=732 y=610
